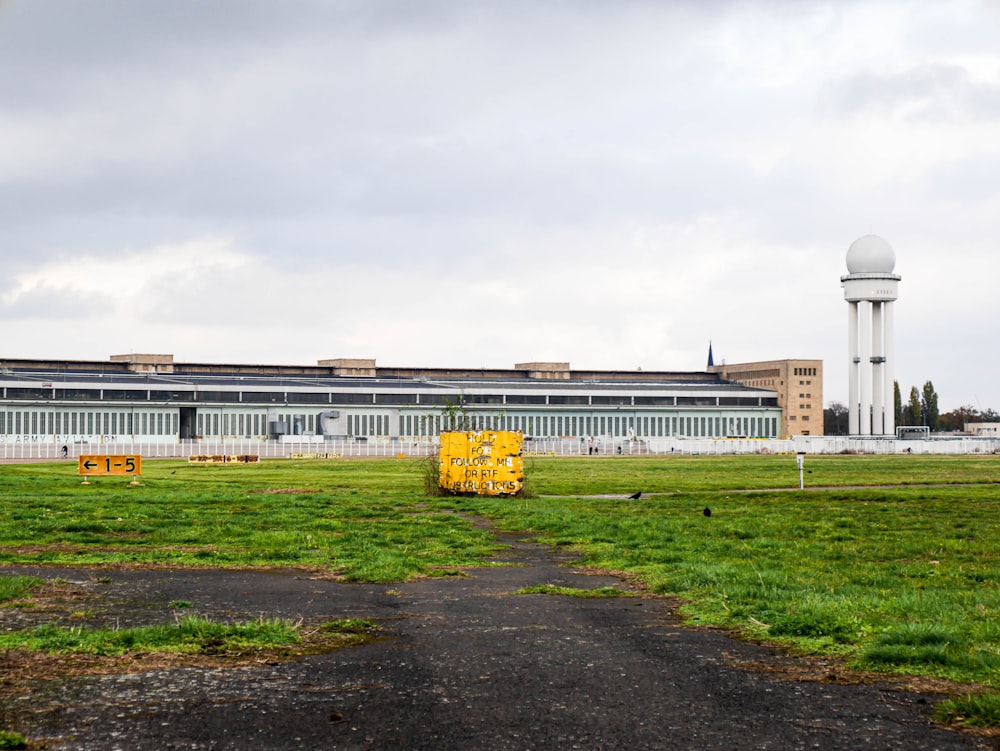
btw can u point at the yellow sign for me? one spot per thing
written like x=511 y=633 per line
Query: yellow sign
x=92 y=465
x=484 y=462
x=223 y=459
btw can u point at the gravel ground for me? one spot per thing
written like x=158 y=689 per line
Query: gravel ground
x=464 y=665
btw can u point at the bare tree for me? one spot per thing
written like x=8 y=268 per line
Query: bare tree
x=835 y=419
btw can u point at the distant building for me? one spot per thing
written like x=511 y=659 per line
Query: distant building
x=984 y=429
x=799 y=386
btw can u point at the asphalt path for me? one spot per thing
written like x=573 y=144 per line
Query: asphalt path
x=464 y=664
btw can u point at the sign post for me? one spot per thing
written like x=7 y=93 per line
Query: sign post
x=93 y=465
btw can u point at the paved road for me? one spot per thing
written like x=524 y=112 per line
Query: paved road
x=465 y=665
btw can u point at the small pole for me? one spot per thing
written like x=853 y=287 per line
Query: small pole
x=800 y=459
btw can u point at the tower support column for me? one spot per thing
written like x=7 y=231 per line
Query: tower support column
x=854 y=363
x=865 y=369
x=889 y=385
x=878 y=370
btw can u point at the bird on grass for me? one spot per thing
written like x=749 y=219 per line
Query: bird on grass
x=635 y=496
x=707 y=511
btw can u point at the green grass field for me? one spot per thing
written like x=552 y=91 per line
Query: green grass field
x=891 y=563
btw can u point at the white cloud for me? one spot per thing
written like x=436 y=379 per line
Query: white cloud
x=122 y=281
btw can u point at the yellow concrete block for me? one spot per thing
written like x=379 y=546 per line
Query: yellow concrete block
x=483 y=462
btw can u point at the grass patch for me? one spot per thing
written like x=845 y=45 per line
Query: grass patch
x=360 y=519
x=192 y=635
x=17 y=587
x=949 y=651
x=351 y=632
x=815 y=625
x=11 y=740
x=553 y=589
x=975 y=710
x=351 y=626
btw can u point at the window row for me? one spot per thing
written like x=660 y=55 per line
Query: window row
x=86 y=422
x=325 y=397
x=554 y=426
x=245 y=424
x=256 y=425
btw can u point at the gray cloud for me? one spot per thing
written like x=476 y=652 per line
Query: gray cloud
x=632 y=178
x=49 y=303
x=239 y=116
x=930 y=91
x=968 y=180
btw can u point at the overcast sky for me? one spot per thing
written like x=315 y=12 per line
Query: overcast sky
x=462 y=183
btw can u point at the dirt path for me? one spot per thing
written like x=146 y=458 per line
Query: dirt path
x=465 y=665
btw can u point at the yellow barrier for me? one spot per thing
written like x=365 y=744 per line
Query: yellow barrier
x=484 y=462
x=223 y=459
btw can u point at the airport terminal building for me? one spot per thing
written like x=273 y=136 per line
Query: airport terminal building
x=152 y=399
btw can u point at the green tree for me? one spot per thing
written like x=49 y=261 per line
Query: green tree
x=929 y=406
x=914 y=412
x=897 y=403
x=957 y=418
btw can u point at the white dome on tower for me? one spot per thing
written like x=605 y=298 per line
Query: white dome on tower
x=870 y=254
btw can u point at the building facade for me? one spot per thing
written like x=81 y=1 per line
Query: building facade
x=797 y=383
x=151 y=398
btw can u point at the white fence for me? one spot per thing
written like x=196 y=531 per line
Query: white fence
x=540 y=447
x=184 y=449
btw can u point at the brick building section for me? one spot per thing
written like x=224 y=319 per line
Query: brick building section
x=798 y=383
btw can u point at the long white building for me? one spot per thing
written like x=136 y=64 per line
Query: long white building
x=150 y=398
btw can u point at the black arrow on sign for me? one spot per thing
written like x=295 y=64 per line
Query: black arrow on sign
x=89 y=464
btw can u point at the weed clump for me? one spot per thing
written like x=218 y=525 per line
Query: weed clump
x=811 y=625
x=16 y=587
x=976 y=710
x=929 y=647
x=9 y=739
x=553 y=589
x=190 y=635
